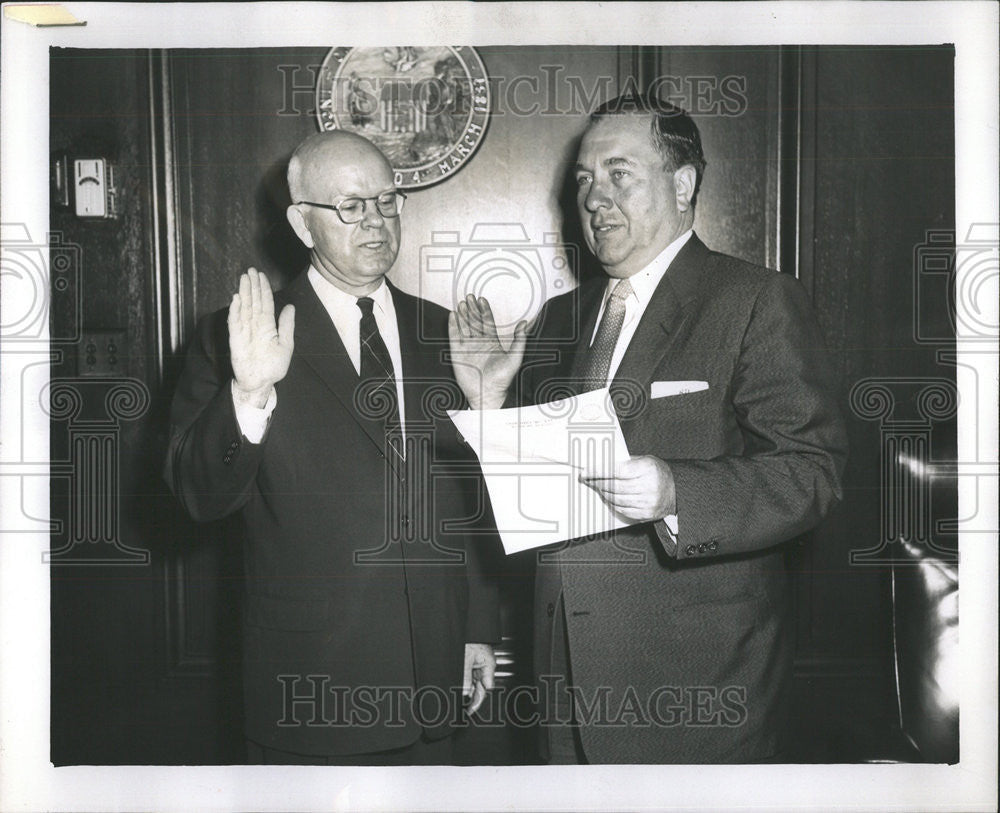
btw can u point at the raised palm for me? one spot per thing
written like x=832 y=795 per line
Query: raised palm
x=483 y=368
x=260 y=351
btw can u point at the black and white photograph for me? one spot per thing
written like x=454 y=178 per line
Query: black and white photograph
x=597 y=413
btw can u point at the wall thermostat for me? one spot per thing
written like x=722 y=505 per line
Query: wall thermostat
x=94 y=188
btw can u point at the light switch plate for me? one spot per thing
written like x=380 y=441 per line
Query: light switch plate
x=103 y=353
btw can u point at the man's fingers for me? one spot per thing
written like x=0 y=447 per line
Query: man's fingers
x=628 y=505
x=266 y=297
x=461 y=321
x=286 y=325
x=255 y=294
x=478 y=696
x=234 y=313
x=482 y=319
x=627 y=501
x=467 y=671
x=473 y=319
x=613 y=483
x=486 y=674
x=245 y=304
x=613 y=489
x=486 y=315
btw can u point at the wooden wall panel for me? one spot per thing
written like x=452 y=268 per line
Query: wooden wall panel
x=883 y=166
x=733 y=96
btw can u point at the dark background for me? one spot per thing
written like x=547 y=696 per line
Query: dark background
x=839 y=169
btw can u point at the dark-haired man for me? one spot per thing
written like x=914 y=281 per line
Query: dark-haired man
x=669 y=641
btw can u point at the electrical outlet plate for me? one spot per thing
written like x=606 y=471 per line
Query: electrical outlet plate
x=103 y=353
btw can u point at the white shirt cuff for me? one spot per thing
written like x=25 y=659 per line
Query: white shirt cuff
x=252 y=420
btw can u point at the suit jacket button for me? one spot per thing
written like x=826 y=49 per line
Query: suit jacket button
x=690 y=550
x=551 y=609
x=702 y=548
x=713 y=546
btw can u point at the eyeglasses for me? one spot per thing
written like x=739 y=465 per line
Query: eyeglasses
x=352 y=210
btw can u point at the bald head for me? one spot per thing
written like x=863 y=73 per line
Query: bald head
x=326 y=170
x=321 y=152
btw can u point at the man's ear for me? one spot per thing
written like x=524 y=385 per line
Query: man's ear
x=685 y=179
x=298 y=222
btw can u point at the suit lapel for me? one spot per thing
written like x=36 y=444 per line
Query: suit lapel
x=664 y=316
x=319 y=347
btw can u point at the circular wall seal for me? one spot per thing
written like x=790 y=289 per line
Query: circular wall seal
x=425 y=108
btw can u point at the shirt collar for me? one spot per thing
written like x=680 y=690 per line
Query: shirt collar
x=337 y=300
x=644 y=282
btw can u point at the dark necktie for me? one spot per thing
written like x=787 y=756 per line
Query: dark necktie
x=598 y=361
x=377 y=376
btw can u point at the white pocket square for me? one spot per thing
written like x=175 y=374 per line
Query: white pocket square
x=661 y=389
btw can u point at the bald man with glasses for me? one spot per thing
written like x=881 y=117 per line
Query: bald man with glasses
x=368 y=618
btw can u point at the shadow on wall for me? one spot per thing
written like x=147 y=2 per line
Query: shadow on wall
x=571 y=229
x=282 y=253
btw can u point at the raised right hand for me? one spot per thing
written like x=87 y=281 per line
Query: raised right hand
x=483 y=369
x=260 y=352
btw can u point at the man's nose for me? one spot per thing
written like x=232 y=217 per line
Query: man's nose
x=372 y=218
x=597 y=197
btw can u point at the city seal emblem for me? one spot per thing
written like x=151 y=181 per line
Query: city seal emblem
x=426 y=108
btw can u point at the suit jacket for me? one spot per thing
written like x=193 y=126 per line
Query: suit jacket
x=685 y=643
x=364 y=575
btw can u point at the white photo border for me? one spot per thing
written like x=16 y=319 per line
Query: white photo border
x=27 y=779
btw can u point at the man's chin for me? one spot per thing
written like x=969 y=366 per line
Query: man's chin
x=378 y=266
x=609 y=256
x=613 y=265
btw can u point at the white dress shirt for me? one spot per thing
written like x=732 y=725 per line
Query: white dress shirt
x=345 y=314
x=643 y=285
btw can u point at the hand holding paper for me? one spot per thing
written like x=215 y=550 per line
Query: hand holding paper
x=534 y=458
x=640 y=489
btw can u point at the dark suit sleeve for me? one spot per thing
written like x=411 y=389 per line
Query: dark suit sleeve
x=794 y=441
x=482 y=545
x=483 y=619
x=483 y=560
x=210 y=465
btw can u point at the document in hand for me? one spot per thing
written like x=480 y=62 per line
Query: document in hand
x=532 y=459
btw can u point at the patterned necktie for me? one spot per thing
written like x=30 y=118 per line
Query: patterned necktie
x=377 y=375
x=598 y=361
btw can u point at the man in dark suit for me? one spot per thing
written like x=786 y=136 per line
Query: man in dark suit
x=366 y=618
x=669 y=640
